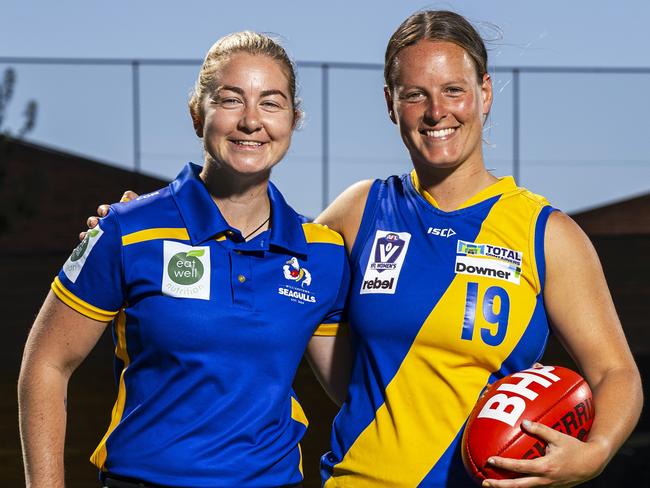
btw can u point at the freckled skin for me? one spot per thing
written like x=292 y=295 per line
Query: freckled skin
x=436 y=87
x=251 y=101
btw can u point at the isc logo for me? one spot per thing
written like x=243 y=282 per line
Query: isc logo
x=448 y=232
x=508 y=408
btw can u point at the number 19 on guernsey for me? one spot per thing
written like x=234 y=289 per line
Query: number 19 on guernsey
x=486 y=303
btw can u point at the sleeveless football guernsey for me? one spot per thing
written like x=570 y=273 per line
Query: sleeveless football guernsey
x=441 y=304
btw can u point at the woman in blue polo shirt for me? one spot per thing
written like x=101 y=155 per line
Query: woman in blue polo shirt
x=214 y=287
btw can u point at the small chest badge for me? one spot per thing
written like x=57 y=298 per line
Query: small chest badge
x=186 y=271
x=296 y=273
x=385 y=262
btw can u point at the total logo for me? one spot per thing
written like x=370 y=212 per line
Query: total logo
x=385 y=262
x=298 y=274
x=186 y=271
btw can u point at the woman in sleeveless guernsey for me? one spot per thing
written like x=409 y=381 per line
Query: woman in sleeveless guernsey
x=456 y=278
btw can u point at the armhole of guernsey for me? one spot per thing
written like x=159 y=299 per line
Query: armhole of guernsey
x=538 y=243
x=79 y=305
x=367 y=218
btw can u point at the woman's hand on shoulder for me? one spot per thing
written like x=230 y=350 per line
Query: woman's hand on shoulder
x=102 y=211
x=344 y=214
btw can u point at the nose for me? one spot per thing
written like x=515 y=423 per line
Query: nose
x=435 y=110
x=250 y=120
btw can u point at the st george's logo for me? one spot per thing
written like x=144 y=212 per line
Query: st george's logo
x=294 y=272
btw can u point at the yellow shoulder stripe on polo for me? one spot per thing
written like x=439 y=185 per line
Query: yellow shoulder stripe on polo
x=156 y=233
x=321 y=233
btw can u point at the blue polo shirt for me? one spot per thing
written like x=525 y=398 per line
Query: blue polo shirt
x=209 y=330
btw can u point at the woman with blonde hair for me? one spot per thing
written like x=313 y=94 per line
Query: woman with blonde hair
x=214 y=287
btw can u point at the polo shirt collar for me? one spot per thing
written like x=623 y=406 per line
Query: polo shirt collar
x=203 y=219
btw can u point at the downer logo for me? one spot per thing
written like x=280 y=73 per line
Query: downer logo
x=490 y=268
x=385 y=262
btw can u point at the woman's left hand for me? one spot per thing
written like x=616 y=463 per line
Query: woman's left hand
x=567 y=462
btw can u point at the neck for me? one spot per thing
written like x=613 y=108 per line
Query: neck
x=243 y=201
x=451 y=187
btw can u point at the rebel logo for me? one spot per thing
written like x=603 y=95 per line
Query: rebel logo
x=186 y=268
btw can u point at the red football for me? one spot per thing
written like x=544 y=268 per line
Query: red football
x=551 y=395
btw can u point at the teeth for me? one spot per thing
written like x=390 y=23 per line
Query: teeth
x=440 y=133
x=248 y=143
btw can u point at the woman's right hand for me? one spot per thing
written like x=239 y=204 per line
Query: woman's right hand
x=102 y=210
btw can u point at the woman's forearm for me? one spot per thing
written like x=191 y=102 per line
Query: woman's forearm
x=42 y=416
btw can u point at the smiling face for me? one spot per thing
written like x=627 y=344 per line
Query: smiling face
x=248 y=116
x=439 y=104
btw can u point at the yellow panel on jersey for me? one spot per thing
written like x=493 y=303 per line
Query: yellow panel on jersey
x=79 y=305
x=504 y=184
x=157 y=233
x=98 y=458
x=321 y=233
x=452 y=357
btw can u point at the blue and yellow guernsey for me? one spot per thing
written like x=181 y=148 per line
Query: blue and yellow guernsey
x=441 y=304
x=209 y=330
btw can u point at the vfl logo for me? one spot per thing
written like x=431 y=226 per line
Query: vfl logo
x=387 y=250
x=293 y=272
x=385 y=262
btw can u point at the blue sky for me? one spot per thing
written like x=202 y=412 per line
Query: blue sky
x=584 y=138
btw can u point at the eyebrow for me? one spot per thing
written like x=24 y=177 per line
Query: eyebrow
x=265 y=93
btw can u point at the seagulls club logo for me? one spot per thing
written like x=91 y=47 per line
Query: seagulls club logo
x=296 y=273
x=385 y=262
x=293 y=271
x=186 y=271
x=77 y=259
